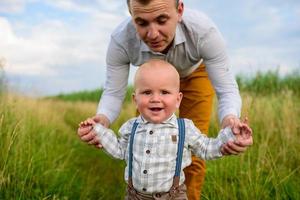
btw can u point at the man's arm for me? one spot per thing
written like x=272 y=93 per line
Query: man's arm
x=117 y=72
x=212 y=49
x=215 y=57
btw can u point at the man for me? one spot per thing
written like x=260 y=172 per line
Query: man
x=158 y=29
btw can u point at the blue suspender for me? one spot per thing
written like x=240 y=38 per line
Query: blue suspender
x=181 y=139
x=181 y=133
x=135 y=124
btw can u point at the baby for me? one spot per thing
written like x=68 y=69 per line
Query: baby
x=156 y=145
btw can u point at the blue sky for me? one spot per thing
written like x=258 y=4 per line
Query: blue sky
x=54 y=46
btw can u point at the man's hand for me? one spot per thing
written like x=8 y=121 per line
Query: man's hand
x=240 y=129
x=86 y=132
x=233 y=122
x=101 y=119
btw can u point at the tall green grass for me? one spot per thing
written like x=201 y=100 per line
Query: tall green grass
x=261 y=84
x=270 y=169
x=41 y=156
x=2 y=79
x=270 y=83
x=91 y=96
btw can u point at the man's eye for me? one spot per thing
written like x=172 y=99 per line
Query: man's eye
x=162 y=21
x=141 y=23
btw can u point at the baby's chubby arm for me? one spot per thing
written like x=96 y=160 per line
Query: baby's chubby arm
x=205 y=147
x=113 y=145
x=212 y=148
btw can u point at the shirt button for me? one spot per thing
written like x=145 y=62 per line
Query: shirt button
x=148 y=151
x=150 y=132
x=144 y=189
x=145 y=171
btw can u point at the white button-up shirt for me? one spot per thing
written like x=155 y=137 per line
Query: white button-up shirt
x=155 y=150
x=196 y=39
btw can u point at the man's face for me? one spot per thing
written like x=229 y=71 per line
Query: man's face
x=156 y=22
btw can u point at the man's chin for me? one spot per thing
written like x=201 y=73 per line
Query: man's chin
x=159 y=49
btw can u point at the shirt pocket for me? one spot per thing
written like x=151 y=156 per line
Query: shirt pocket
x=167 y=147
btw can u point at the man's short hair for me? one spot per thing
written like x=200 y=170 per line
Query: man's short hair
x=145 y=2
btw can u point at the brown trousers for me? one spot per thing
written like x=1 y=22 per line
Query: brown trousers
x=180 y=195
x=196 y=105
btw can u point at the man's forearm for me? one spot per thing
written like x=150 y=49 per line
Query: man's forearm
x=110 y=107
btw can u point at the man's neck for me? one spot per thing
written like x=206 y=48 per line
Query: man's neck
x=166 y=50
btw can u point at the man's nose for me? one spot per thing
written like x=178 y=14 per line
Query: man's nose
x=153 y=32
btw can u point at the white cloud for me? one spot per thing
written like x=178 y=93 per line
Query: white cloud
x=92 y=6
x=26 y=56
x=248 y=60
x=11 y=6
x=54 y=48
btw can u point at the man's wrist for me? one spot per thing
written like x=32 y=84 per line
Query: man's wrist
x=102 y=119
x=227 y=120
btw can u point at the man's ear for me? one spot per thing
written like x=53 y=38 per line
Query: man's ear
x=179 y=98
x=180 y=10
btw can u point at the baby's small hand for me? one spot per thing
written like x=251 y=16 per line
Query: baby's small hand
x=87 y=122
x=85 y=127
x=87 y=134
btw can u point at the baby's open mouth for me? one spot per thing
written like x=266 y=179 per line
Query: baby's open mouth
x=155 y=109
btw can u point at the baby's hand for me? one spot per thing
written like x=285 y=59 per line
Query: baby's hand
x=87 y=134
x=87 y=122
x=85 y=126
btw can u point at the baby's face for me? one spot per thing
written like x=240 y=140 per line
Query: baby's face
x=157 y=94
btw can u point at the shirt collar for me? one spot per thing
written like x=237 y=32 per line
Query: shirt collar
x=179 y=35
x=179 y=38
x=171 y=121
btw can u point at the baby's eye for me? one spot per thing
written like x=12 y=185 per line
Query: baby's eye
x=147 y=92
x=165 y=92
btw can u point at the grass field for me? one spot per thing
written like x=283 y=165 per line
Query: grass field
x=41 y=156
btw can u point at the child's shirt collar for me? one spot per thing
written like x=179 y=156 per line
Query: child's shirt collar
x=172 y=120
